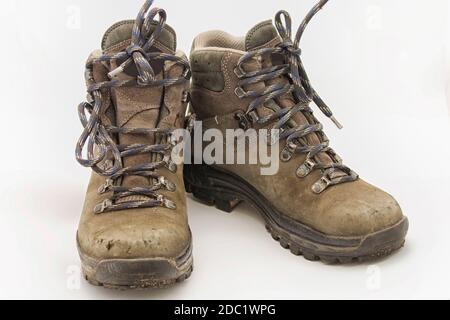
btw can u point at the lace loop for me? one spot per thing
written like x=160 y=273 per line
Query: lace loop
x=142 y=40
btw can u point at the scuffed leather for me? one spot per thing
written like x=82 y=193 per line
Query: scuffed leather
x=351 y=209
x=132 y=234
x=139 y=233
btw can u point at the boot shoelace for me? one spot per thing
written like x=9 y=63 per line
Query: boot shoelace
x=104 y=156
x=303 y=92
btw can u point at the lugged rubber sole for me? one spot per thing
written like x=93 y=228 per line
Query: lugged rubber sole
x=125 y=274
x=226 y=191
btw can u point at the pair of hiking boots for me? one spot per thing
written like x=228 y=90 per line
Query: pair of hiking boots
x=134 y=230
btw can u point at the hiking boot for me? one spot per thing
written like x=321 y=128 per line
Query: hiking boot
x=314 y=205
x=134 y=230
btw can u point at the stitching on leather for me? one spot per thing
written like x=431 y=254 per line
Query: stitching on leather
x=252 y=33
x=118 y=46
x=157 y=44
x=271 y=43
x=114 y=27
x=125 y=43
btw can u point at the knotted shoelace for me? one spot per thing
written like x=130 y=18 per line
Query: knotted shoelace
x=104 y=156
x=301 y=89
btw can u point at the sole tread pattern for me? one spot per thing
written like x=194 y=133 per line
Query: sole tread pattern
x=150 y=284
x=229 y=203
x=298 y=251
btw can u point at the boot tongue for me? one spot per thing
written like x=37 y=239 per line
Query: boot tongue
x=122 y=31
x=137 y=107
x=131 y=102
x=263 y=34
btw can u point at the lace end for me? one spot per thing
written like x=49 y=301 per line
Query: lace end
x=337 y=123
x=115 y=72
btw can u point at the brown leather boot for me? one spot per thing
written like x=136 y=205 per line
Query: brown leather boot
x=315 y=205
x=134 y=229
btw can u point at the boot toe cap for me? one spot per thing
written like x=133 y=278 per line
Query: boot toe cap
x=367 y=211
x=135 y=240
x=358 y=218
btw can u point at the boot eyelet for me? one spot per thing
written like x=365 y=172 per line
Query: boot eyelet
x=240 y=93
x=286 y=155
x=169 y=164
x=169 y=204
x=239 y=72
x=244 y=123
x=170 y=186
x=321 y=185
x=106 y=187
x=305 y=169
x=172 y=167
x=102 y=207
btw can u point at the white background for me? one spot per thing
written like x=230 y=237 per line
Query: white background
x=383 y=66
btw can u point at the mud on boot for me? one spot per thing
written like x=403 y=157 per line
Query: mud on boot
x=134 y=230
x=314 y=205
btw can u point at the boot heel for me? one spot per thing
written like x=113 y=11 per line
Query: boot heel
x=198 y=183
x=221 y=201
x=227 y=205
